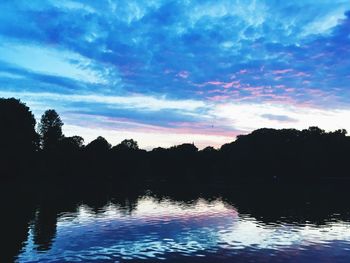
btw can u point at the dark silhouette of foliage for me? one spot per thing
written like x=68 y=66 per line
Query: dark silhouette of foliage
x=264 y=155
x=17 y=126
x=127 y=144
x=42 y=209
x=98 y=145
x=185 y=148
x=269 y=160
x=50 y=129
x=18 y=139
x=208 y=149
x=72 y=143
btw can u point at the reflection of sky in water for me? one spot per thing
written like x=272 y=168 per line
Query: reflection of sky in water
x=156 y=228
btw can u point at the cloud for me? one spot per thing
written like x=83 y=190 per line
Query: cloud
x=149 y=136
x=49 y=61
x=137 y=102
x=280 y=118
x=282 y=71
x=251 y=116
x=183 y=74
x=160 y=62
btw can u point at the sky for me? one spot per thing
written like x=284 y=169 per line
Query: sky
x=169 y=72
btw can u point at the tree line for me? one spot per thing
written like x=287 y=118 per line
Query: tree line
x=31 y=151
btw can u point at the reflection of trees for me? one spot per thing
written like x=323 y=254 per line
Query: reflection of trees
x=45 y=227
x=98 y=173
x=267 y=204
x=16 y=215
x=46 y=217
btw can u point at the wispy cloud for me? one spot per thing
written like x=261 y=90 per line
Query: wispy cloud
x=137 y=102
x=250 y=116
x=50 y=61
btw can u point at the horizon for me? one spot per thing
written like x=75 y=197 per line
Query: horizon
x=170 y=72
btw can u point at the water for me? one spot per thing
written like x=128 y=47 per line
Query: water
x=227 y=228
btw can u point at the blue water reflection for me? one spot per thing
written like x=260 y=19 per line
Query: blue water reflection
x=205 y=231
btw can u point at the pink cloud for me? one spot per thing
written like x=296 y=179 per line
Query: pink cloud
x=225 y=85
x=302 y=74
x=216 y=83
x=126 y=124
x=318 y=93
x=219 y=98
x=216 y=91
x=285 y=88
x=183 y=74
x=231 y=84
x=282 y=71
x=243 y=71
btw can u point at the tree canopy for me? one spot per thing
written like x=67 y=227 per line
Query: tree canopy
x=127 y=144
x=98 y=145
x=50 y=129
x=17 y=130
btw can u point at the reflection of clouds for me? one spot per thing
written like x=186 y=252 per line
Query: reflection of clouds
x=157 y=227
x=148 y=209
x=253 y=233
x=153 y=229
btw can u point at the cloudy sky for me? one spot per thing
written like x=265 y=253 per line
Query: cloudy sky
x=168 y=72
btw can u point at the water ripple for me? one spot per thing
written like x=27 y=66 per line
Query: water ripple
x=159 y=230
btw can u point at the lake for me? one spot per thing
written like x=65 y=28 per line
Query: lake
x=239 y=225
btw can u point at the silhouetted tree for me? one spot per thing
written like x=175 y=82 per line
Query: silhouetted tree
x=127 y=144
x=185 y=148
x=71 y=143
x=208 y=149
x=314 y=131
x=96 y=157
x=50 y=129
x=98 y=145
x=18 y=139
x=262 y=155
x=17 y=130
x=340 y=132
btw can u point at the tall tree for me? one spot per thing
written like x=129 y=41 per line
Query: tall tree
x=50 y=129
x=18 y=138
x=17 y=130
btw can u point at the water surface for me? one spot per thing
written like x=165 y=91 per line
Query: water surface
x=215 y=229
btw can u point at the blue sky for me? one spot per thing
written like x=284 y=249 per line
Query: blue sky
x=168 y=72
